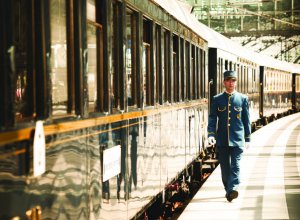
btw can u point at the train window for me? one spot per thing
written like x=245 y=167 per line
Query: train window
x=193 y=72
x=146 y=73
x=188 y=72
x=131 y=50
x=198 y=86
x=280 y=82
x=175 y=68
x=287 y=83
x=146 y=63
x=240 y=80
x=205 y=74
x=248 y=79
x=118 y=57
x=167 y=66
x=253 y=81
x=158 y=65
x=276 y=81
x=245 y=81
x=92 y=65
x=235 y=67
x=226 y=65
x=182 y=69
x=201 y=73
x=24 y=98
x=265 y=82
x=95 y=59
x=197 y=74
x=271 y=81
x=221 y=78
x=284 y=81
x=59 y=73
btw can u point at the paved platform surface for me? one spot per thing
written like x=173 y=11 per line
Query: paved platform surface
x=270 y=173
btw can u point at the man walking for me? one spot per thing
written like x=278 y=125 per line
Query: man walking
x=229 y=128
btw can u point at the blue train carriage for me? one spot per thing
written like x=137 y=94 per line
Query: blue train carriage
x=104 y=103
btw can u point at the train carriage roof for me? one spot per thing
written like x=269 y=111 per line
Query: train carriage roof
x=182 y=11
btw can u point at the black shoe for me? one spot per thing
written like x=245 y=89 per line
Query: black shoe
x=232 y=195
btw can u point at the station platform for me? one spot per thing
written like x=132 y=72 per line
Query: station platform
x=270 y=175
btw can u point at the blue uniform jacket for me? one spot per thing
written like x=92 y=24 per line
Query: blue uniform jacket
x=229 y=119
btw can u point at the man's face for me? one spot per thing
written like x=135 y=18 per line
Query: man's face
x=230 y=84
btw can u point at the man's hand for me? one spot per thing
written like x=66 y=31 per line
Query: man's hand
x=247 y=145
x=211 y=141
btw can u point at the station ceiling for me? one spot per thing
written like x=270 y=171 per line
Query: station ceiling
x=271 y=27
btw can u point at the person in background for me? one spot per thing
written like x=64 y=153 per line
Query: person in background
x=229 y=128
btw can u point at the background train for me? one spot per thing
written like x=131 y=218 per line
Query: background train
x=105 y=103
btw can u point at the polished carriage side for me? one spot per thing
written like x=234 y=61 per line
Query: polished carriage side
x=100 y=75
x=127 y=75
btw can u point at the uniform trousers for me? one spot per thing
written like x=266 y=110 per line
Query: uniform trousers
x=229 y=159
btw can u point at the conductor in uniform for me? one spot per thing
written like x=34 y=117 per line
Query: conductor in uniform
x=229 y=128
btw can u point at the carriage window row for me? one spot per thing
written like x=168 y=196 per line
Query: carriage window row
x=173 y=69
x=167 y=69
x=277 y=81
x=247 y=79
x=31 y=56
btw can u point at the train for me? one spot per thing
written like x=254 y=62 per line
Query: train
x=105 y=103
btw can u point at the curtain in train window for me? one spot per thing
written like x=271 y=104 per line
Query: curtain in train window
x=59 y=57
x=24 y=76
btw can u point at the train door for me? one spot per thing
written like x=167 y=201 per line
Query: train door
x=212 y=72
